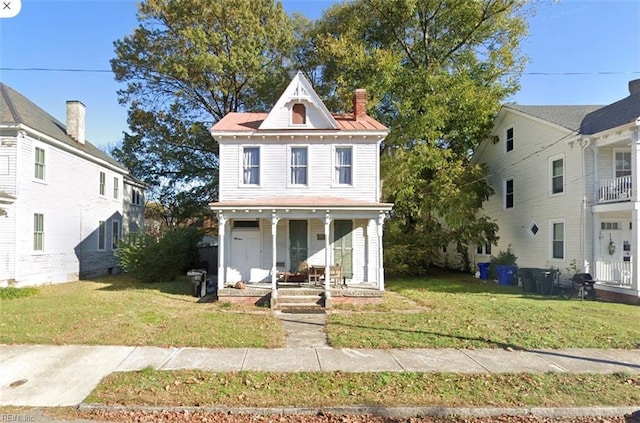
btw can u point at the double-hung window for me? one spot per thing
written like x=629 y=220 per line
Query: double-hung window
x=103 y=183
x=115 y=234
x=484 y=249
x=623 y=163
x=251 y=166
x=116 y=188
x=557 y=240
x=344 y=165
x=38 y=232
x=39 y=164
x=508 y=194
x=509 y=139
x=557 y=175
x=299 y=165
x=102 y=235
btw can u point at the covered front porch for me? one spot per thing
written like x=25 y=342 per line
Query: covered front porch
x=269 y=245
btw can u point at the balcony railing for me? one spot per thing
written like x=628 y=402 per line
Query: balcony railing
x=614 y=190
x=614 y=272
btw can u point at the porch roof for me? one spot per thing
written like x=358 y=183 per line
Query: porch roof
x=250 y=122
x=301 y=202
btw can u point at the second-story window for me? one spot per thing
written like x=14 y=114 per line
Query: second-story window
x=299 y=114
x=623 y=163
x=103 y=183
x=344 y=165
x=509 y=139
x=557 y=176
x=508 y=194
x=116 y=188
x=251 y=166
x=39 y=164
x=299 y=166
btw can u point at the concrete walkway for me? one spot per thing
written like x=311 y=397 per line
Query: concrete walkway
x=46 y=376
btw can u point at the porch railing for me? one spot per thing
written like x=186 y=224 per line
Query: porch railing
x=613 y=190
x=614 y=272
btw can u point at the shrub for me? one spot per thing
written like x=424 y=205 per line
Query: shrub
x=159 y=259
x=506 y=258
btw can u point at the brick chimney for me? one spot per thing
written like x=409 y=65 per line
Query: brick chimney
x=75 y=120
x=634 y=87
x=359 y=104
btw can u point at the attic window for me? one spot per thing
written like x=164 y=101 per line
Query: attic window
x=299 y=114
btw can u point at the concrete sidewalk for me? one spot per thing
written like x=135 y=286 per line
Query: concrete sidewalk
x=45 y=376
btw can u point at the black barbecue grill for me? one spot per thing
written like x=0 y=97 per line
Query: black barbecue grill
x=583 y=286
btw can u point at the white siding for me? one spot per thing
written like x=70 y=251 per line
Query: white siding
x=68 y=198
x=528 y=164
x=275 y=171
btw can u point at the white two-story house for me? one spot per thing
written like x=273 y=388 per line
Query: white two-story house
x=565 y=195
x=64 y=204
x=299 y=184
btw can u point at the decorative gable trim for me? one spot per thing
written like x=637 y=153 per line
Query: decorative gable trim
x=299 y=91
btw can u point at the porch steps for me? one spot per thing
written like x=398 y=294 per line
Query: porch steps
x=301 y=303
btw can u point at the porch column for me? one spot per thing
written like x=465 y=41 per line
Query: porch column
x=635 y=166
x=380 y=223
x=222 y=223
x=274 y=270
x=595 y=241
x=327 y=256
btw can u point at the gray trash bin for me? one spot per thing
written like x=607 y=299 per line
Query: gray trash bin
x=198 y=279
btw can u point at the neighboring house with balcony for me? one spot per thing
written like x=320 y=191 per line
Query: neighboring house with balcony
x=300 y=184
x=564 y=191
x=64 y=204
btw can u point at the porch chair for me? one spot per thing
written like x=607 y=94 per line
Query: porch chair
x=300 y=276
x=335 y=275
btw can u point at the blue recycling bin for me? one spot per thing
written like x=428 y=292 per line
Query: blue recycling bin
x=505 y=274
x=484 y=271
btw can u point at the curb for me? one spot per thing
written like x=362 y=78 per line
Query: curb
x=396 y=412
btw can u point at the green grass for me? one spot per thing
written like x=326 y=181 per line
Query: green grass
x=457 y=311
x=325 y=389
x=118 y=311
x=9 y=293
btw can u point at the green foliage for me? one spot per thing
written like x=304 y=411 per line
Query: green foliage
x=152 y=259
x=9 y=293
x=436 y=74
x=506 y=258
x=187 y=65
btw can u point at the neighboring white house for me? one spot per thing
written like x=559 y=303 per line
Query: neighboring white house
x=300 y=184
x=64 y=204
x=564 y=192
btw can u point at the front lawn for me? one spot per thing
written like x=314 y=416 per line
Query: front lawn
x=453 y=310
x=116 y=310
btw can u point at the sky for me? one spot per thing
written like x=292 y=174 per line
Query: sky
x=580 y=52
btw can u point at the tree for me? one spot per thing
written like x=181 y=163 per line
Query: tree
x=436 y=73
x=188 y=64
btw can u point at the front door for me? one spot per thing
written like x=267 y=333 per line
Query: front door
x=245 y=257
x=298 y=245
x=343 y=246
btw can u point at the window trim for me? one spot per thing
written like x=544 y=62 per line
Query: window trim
x=102 y=231
x=102 y=184
x=305 y=116
x=116 y=188
x=614 y=168
x=335 y=181
x=552 y=160
x=242 y=167
x=508 y=140
x=291 y=166
x=530 y=232
x=505 y=204
x=38 y=232
x=36 y=164
x=552 y=240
